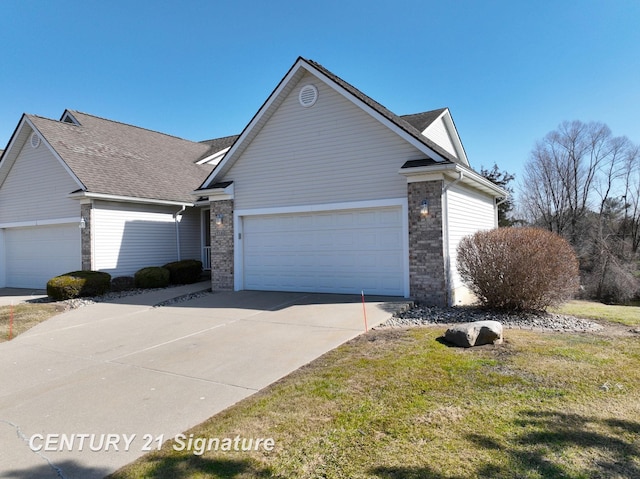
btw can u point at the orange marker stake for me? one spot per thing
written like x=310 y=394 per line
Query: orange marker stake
x=364 y=311
x=10 y=322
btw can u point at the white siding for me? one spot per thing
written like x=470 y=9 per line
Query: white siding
x=331 y=152
x=3 y=261
x=190 y=234
x=36 y=188
x=468 y=211
x=129 y=237
x=437 y=132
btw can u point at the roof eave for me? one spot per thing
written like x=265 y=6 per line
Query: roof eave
x=216 y=193
x=454 y=171
x=126 y=199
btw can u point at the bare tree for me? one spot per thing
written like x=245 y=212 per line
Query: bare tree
x=584 y=184
x=631 y=197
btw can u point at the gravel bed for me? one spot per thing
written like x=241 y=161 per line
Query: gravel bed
x=183 y=298
x=540 y=321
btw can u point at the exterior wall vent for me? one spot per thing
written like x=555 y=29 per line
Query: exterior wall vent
x=35 y=140
x=308 y=96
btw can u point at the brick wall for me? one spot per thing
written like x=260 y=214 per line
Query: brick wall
x=426 y=255
x=222 y=246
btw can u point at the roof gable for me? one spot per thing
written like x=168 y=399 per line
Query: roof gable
x=302 y=66
x=438 y=126
x=24 y=133
x=115 y=159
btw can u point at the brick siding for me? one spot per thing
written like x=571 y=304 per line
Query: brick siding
x=222 y=246
x=426 y=254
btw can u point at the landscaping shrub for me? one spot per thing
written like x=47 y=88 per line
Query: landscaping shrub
x=518 y=268
x=184 y=272
x=78 y=284
x=152 y=277
x=122 y=283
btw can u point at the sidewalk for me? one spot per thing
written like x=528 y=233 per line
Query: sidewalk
x=10 y=296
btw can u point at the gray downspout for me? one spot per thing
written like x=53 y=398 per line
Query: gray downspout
x=177 y=223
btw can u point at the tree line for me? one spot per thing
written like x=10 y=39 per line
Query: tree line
x=583 y=183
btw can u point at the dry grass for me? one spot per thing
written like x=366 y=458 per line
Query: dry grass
x=400 y=404
x=25 y=316
x=627 y=315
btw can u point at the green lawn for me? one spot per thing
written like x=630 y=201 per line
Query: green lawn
x=398 y=403
x=628 y=315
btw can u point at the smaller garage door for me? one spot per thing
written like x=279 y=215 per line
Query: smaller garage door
x=329 y=252
x=37 y=254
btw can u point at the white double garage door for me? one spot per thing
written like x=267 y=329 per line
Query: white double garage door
x=33 y=255
x=345 y=251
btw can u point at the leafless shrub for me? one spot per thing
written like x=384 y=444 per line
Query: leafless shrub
x=518 y=268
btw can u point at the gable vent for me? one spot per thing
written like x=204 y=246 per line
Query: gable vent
x=35 y=140
x=308 y=96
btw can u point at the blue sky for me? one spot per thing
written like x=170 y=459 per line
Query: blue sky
x=510 y=71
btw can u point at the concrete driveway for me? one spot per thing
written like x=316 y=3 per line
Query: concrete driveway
x=19 y=295
x=90 y=388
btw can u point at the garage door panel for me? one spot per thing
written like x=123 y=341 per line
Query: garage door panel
x=341 y=252
x=37 y=254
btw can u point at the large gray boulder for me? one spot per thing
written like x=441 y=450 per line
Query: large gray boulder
x=477 y=333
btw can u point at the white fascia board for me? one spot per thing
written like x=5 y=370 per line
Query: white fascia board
x=452 y=171
x=453 y=133
x=216 y=194
x=215 y=158
x=11 y=152
x=54 y=221
x=371 y=111
x=5 y=165
x=56 y=155
x=480 y=182
x=254 y=121
x=127 y=199
x=427 y=173
x=322 y=207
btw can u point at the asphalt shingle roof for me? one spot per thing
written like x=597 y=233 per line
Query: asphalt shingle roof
x=218 y=144
x=114 y=158
x=421 y=121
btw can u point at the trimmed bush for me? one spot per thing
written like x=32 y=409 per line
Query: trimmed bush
x=518 y=268
x=123 y=283
x=184 y=272
x=152 y=277
x=78 y=284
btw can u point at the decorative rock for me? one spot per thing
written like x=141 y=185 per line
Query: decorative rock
x=423 y=315
x=477 y=333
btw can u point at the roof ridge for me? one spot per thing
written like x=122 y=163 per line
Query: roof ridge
x=219 y=138
x=331 y=74
x=127 y=124
x=424 y=112
x=382 y=110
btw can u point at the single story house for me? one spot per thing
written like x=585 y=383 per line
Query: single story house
x=325 y=190
x=88 y=193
